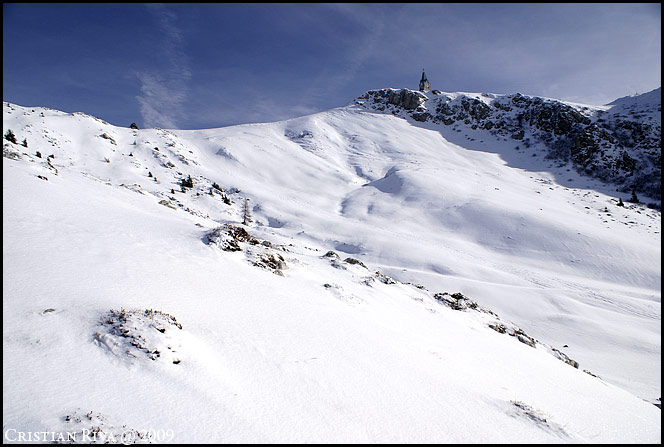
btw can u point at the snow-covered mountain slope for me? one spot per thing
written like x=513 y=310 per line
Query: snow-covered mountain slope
x=399 y=283
x=646 y=107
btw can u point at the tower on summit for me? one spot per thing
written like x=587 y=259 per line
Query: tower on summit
x=424 y=83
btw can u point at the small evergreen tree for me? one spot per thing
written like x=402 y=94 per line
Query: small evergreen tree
x=634 y=199
x=186 y=183
x=9 y=136
x=246 y=213
x=620 y=202
x=25 y=142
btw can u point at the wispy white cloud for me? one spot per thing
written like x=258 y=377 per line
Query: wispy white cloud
x=164 y=89
x=371 y=27
x=159 y=103
x=352 y=51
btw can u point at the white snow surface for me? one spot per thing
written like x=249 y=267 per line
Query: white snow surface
x=324 y=350
x=646 y=106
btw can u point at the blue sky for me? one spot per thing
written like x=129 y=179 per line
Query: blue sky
x=191 y=66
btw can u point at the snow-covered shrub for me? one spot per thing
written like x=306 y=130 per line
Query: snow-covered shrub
x=186 y=183
x=334 y=259
x=354 y=261
x=80 y=427
x=271 y=261
x=384 y=278
x=259 y=252
x=7 y=152
x=9 y=136
x=525 y=338
x=228 y=237
x=456 y=301
x=565 y=358
x=147 y=333
x=109 y=138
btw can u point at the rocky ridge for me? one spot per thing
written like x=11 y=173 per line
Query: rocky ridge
x=619 y=143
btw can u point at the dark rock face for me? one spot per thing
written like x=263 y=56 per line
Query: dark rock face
x=621 y=146
x=404 y=98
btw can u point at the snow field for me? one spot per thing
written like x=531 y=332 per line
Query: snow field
x=323 y=353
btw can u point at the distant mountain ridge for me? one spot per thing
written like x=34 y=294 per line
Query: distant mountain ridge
x=619 y=143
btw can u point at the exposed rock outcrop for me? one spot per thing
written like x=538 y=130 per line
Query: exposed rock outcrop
x=404 y=98
x=260 y=253
x=618 y=144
